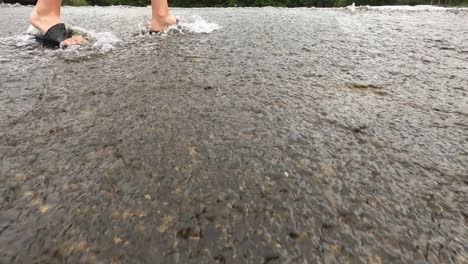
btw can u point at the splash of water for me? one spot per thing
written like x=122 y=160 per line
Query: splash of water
x=106 y=41
x=196 y=24
x=102 y=41
x=187 y=24
x=407 y=8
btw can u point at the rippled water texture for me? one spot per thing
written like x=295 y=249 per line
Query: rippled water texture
x=246 y=136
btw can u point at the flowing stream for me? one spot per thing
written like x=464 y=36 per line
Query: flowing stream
x=244 y=135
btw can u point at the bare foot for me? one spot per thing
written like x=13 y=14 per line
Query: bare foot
x=160 y=23
x=44 y=22
x=74 y=40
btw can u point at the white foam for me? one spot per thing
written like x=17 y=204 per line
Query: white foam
x=24 y=40
x=407 y=8
x=10 y=5
x=21 y=40
x=32 y=30
x=103 y=41
x=186 y=24
x=196 y=24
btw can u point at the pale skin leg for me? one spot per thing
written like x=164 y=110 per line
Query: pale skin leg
x=160 y=17
x=45 y=14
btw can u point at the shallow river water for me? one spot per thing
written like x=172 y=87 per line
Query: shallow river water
x=253 y=135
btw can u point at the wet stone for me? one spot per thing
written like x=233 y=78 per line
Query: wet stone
x=190 y=233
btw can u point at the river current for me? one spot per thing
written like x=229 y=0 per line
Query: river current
x=244 y=135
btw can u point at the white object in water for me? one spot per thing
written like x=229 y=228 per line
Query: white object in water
x=351 y=8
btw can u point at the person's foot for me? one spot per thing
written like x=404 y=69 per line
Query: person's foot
x=160 y=23
x=44 y=22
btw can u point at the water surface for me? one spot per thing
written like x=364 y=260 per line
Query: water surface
x=245 y=136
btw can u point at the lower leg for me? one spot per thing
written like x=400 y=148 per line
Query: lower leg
x=160 y=15
x=45 y=14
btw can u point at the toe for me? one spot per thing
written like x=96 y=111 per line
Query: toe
x=79 y=39
x=68 y=42
x=75 y=40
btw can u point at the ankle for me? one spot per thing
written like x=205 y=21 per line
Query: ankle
x=43 y=20
x=34 y=17
x=41 y=13
x=160 y=16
